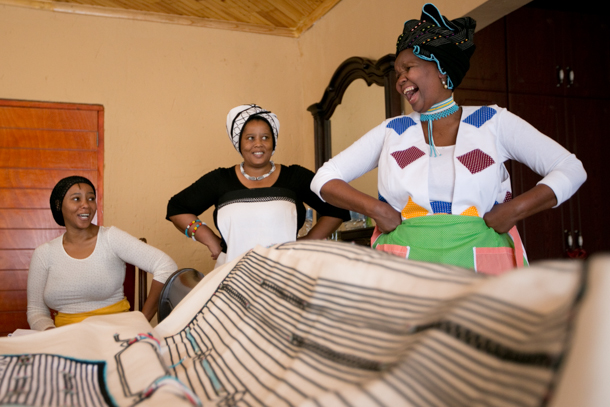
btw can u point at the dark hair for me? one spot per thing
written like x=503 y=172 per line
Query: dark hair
x=59 y=192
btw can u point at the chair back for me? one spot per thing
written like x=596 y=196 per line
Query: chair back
x=132 y=273
x=177 y=286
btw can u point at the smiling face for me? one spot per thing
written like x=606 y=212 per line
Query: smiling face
x=419 y=81
x=256 y=143
x=79 y=206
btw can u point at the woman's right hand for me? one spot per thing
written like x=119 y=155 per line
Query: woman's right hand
x=203 y=234
x=212 y=241
x=339 y=193
x=386 y=217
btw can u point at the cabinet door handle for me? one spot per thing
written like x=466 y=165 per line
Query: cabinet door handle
x=570 y=76
x=560 y=76
x=569 y=239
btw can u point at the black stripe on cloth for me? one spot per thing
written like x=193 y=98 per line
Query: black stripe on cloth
x=204 y=340
x=239 y=363
x=486 y=345
x=278 y=341
x=388 y=298
x=501 y=349
x=482 y=310
x=275 y=304
x=468 y=373
x=352 y=342
x=460 y=355
x=429 y=379
x=64 y=381
x=479 y=312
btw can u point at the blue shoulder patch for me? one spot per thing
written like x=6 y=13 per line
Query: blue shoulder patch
x=481 y=116
x=400 y=124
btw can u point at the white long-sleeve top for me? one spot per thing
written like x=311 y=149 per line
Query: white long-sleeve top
x=65 y=284
x=487 y=137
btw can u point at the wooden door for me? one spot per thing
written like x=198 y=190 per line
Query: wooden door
x=40 y=143
x=488 y=64
x=588 y=139
x=535 y=55
x=544 y=234
x=587 y=60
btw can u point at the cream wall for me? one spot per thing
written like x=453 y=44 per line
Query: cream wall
x=362 y=28
x=166 y=90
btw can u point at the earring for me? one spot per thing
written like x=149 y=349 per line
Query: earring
x=444 y=83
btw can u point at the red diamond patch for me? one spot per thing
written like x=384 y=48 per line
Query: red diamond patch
x=476 y=161
x=406 y=157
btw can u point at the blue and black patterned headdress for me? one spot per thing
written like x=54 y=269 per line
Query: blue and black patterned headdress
x=447 y=43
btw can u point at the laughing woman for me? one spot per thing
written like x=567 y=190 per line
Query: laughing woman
x=448 y=161
x=81 y=273
x=257 y=201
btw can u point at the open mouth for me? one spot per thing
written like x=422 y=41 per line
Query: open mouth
x=410 y=92
x=84 y=216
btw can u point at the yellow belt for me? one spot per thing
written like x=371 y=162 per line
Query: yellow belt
x=62 y=319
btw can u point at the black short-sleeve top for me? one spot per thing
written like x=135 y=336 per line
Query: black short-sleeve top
x=247 y=217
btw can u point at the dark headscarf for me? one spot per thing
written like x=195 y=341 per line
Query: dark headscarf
x=60 y=191
x=434 y=38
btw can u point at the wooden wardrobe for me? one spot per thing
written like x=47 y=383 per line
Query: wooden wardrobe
x=548 y=63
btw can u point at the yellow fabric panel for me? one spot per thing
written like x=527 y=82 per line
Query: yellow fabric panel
x=413 y=210
x=472 y=211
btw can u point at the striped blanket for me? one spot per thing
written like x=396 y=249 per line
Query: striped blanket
x=316 y=324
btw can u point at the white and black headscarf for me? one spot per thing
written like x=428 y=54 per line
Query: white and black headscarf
x=240 y=115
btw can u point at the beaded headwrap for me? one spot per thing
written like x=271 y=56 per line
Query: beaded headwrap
x=240 y=115
x=59 y=192
x=447 y=43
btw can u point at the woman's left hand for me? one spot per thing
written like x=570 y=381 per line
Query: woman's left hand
x=503 y=217
x=152 y=301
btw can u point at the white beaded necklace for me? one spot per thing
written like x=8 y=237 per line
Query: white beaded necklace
x=262 y=177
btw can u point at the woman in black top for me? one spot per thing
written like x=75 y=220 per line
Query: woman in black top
x=256 y=202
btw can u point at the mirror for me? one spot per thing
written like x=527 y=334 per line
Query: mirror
x=380 y=72
x=361 y=110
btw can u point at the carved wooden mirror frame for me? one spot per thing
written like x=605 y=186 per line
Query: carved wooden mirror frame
x=380 y=72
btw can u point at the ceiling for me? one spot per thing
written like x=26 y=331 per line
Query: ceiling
x=287 y=18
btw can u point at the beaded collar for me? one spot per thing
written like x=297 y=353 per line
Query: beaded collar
x=438 y=111
x=262 y=177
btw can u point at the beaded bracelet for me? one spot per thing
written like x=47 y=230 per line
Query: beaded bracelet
x=197 y=226
x=186 y=231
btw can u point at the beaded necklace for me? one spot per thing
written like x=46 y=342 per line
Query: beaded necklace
x=438 y=111
x=243 y=172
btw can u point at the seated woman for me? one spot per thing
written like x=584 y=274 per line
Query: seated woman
x=256 y=202
x=447 y=161
x=81 y=272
